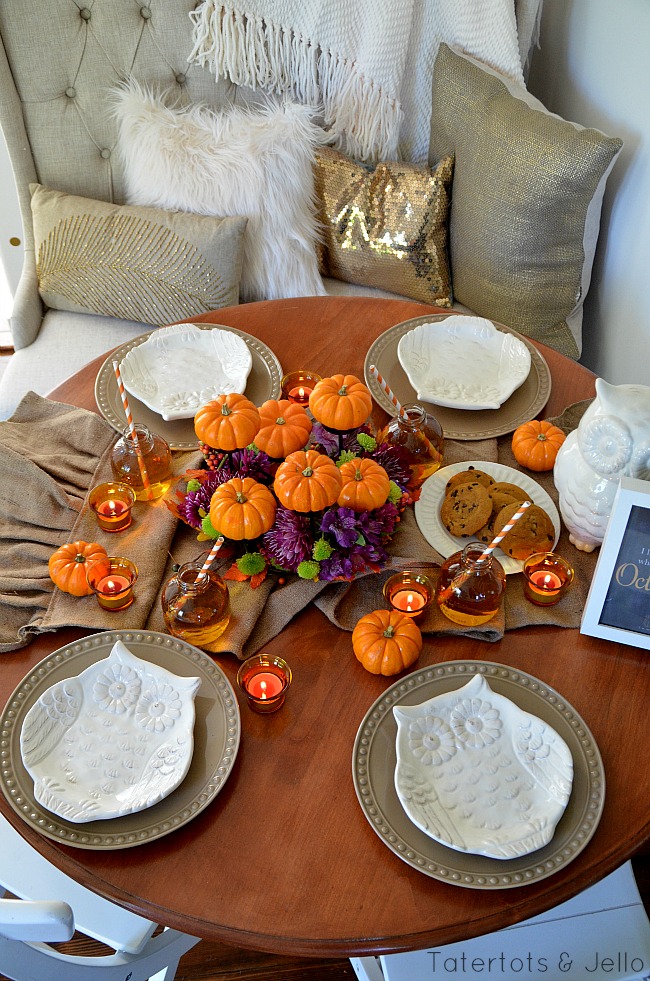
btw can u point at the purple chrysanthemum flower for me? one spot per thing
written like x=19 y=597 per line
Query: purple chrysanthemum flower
x=376 y=525
x=290 y=540
x=251 y=463
x=342 y=523
x=395 y=462
x=199 y=500
x=328 y=441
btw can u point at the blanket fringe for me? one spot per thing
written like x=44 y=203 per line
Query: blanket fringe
x=361 y=117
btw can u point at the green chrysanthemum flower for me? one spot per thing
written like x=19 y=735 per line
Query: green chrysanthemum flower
x=208 y=528
x=321 y=550
x=308 y=569
x=367 y=442
x=395 y=492
x=251 y=563
x=193 y=485
x=345 y=456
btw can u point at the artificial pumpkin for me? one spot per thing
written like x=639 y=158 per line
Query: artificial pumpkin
x=67 y=566
x=386 y=642
x=365 y=485
x=242 y=508
x=284 y=428
x=229 y=422
x=535 y=444
x=341 y=402
x=307 y=481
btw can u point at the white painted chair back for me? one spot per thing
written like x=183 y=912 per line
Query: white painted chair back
x=603 y=932
x=62 y=905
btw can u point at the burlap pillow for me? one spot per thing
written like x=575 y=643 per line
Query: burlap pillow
x=386 y=227
x=528 y=189
x=133 y=263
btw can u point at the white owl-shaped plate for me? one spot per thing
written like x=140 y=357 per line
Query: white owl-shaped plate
x=480 y=775
x=180 y=368
x=112 y=740
x=463 y=362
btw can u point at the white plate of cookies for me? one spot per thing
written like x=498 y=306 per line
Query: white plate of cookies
x=472 y=501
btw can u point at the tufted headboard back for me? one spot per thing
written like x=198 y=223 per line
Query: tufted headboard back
x=59 y=61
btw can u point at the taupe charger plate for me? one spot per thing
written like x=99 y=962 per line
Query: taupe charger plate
x=264 y=382
x=373 y=772
x=217 y=731
x=524 y=403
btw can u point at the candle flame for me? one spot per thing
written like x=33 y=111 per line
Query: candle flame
x=301 y=393
x=263 y=687
x=409 y=602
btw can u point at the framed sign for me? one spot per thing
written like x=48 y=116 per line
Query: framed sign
x=618 y=604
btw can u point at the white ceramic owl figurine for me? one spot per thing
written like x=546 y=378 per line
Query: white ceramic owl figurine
x=612 y=441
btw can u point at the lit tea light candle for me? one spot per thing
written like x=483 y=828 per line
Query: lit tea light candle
x=297 y=386
x=112 y=503
x=264 y=679
x=408 y=593
x=547 y=577
x=112 y=580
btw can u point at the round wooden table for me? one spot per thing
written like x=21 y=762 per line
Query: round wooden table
x=284 y=860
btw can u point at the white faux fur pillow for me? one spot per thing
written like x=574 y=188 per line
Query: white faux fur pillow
x=256 y=163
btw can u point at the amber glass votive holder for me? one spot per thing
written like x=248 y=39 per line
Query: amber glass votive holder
x=111 y=580
x=297 y=386
x=409 y=593
x=547 y=577
x=264 y=679
x=112 y=503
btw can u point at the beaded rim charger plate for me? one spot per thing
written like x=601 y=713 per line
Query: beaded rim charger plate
x=373 y=769
x=264 y=382
x=217 y=732
x=461 y=424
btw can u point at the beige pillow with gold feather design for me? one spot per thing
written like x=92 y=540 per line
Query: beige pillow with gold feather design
x=131 y=262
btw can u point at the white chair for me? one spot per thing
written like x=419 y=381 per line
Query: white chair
x=52 y=906
x=601 y=933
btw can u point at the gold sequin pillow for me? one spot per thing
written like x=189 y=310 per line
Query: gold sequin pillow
x=386 y=227
x=133 y=263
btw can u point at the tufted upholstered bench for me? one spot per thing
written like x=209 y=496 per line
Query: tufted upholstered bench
x=60 y=61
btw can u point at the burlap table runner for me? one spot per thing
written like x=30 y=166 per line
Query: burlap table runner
x=52 y=454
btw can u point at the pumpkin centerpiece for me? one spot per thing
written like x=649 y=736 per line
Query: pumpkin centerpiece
x=307 y=481
x=365 y=485
x=242 y=508
x=67 y=566
x=535 y=444
x=284 y=428
x=229 y=422
x=386 y=642
x=340 y=403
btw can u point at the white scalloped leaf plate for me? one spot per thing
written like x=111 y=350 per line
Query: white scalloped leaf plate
x=478 y=774
x=180 y=368
x=427 y=508
x=463 y=362
x=113 y=740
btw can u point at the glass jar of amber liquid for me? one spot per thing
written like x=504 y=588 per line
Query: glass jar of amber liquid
x=471 y=586
x=420 y=436
x=156 y=457
x=196 y=606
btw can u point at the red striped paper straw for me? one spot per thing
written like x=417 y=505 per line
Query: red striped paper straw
x=211 y=557
x=389 y=392
x=134 y=436
x=504 y=531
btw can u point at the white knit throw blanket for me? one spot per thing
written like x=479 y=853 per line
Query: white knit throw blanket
x=367 y=64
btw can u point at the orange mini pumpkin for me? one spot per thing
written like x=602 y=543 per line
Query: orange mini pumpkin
x=228 y=422
x=284 y=428
x=535 y=444
x=242 y=508
x=386 y=642
x=67 y=566
x=307 y=481
x=341 y=402
x=365 y=486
